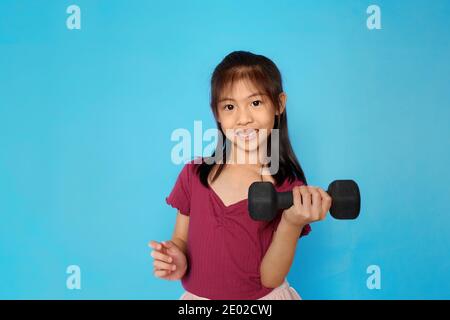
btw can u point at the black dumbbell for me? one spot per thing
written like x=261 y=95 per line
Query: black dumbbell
x=264 y=201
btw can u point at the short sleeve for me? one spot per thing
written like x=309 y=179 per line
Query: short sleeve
x=306 y=230
x=180 y=196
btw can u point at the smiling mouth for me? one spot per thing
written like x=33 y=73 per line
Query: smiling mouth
x=247 y=135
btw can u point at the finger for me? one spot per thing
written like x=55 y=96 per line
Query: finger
x=161 y=273
x=161 y=256
x=326 y=202
x=170 y=247
x=316 y=207
x=168 y=244
x=296 y=197
x=306 y=198
x=159 y=265
x=326 y=199
x=155 y=245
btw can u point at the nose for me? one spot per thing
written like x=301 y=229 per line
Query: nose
x=244 y=116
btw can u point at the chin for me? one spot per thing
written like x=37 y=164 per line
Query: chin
x=246 y=148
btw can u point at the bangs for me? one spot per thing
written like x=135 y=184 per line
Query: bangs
x=253 y=75
x=259 y=73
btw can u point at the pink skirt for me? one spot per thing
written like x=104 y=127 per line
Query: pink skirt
x=283 y=292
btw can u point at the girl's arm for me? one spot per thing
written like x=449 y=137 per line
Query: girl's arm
x=279 y=257
x=310 y=204
x=170 y=258
x=180 y=233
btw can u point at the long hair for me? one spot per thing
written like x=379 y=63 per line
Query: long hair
x=264 y=74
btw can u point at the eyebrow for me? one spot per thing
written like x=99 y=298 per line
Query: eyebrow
x=252 y=95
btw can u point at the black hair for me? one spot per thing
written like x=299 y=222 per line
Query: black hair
x=265 y=75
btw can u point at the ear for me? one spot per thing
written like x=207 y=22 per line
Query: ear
x=282 y=97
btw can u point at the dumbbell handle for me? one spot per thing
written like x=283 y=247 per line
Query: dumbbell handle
x=285 y=200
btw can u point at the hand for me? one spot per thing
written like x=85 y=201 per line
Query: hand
x=310 y=204
x=169 y=261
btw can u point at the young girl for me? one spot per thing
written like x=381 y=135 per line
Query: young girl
x=217 y=250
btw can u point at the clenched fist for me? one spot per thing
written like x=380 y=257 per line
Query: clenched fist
x=310 y=204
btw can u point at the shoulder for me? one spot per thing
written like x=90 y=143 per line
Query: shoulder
x=194 y=163
x=296 y=183
x=289 y=184
x=190 y=168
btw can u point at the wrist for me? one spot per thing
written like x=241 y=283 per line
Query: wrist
x=290 y=226
x=293 y=224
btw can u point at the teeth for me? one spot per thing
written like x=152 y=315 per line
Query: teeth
x=247 y=134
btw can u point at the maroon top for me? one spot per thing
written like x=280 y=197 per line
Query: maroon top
x=225 y=245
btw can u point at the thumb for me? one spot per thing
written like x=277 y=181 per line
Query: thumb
x=168 y=243
x=171 y=247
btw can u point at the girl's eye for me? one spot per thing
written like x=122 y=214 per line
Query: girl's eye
x=229 y=107
x=256 y=103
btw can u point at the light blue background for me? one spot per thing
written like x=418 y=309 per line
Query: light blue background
x=86 y=117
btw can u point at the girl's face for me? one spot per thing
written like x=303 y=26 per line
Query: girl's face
x=243 y=111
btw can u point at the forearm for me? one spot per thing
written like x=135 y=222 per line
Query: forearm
x=279 y=257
